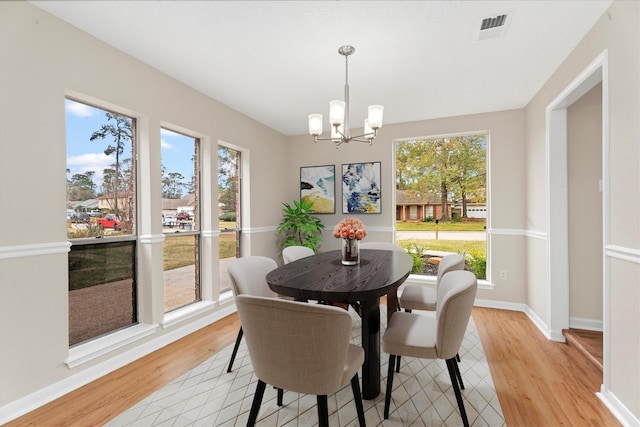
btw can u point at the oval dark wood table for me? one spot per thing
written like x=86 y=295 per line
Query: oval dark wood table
x=322 y=277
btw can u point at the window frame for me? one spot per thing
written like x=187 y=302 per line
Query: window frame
x=197 y=174
x=92 y=347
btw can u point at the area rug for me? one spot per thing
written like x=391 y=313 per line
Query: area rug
x=422 y=396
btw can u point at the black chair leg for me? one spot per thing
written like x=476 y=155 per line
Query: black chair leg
x=255 y=406
x=387 y=397
x=357 y=397
x=456 y=389
x=235 y=349
x=455 y=364
x=280 y=396
x=323 y=411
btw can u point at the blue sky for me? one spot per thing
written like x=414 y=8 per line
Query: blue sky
x=84 y=155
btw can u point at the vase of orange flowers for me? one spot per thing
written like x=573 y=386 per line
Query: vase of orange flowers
x=351 y=231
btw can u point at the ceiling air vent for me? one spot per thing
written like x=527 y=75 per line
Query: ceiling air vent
x=494 y=27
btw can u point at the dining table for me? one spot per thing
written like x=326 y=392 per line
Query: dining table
x=322 y=277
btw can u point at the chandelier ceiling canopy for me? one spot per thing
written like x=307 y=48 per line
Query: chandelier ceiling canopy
x=339 y=115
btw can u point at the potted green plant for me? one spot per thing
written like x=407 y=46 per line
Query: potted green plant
x=299 y=227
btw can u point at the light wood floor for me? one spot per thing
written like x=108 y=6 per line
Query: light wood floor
x=538 y=382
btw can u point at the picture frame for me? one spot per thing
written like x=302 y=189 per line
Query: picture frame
x=318 y=185
x=361 y=188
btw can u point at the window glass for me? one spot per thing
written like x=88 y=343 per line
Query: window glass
x=101 y=203
x=228 y=210
x=102 y=289
x=180 y=218
x=440 y=183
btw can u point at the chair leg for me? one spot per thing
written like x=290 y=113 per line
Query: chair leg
x=456 y=389
x=255 y=406
x=323 y=411
x=455 y=364
x=280 y=396
x=357 y=397
x=235 y=349
x=387 y=397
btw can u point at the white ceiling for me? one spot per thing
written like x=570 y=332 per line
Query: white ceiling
x=277 y=61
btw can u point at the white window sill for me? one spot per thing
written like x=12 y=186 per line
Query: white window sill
x=91 y=350
x=226 y=297
x=185 y=313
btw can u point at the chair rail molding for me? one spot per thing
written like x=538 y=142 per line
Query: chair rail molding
x=22 y=251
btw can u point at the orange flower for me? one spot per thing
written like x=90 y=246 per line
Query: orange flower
x=350 y=228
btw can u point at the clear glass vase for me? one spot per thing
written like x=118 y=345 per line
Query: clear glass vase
x=350 y=251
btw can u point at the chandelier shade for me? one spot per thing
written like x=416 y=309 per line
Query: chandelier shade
x=339 y=115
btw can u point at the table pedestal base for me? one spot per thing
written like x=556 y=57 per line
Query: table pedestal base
x=371 y=346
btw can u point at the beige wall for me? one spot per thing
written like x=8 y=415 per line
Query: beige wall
x=584 y=147
x=618 y=32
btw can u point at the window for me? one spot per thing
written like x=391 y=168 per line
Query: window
x=446 y=176
x=229 y=210
x=101 y=221
x=180 y=218
x=413 y=212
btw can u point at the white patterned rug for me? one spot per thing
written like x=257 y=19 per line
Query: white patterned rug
x=422 y=396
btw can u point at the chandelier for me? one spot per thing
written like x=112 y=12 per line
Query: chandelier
x=339 y=115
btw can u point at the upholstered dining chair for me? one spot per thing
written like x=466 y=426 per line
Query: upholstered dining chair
x=285 y=354
x=417 y=297
x=247 y=276
x=434 y=337
x=293 y=253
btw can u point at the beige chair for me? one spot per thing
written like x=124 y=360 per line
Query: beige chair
x=300 y=347
x=247 y=276
x=293 y=253
x=434 y=337
x=416 y=297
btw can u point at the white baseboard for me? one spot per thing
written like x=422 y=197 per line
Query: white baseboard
x=52 y=392
x=618 y=410
x=586 y=324
x=502 y=305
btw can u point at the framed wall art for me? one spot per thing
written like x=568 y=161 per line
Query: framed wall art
x=361 y=188
x=318 y=185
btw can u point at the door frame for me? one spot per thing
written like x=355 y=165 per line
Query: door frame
x=557 y=213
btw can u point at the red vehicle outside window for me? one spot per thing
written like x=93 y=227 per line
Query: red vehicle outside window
x=109 y=221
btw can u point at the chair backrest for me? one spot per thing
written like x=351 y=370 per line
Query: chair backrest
x=381 y=245
x=248 y=274
x=296 y=346
x=293 y=253
x=456 y=295
x=449 y=263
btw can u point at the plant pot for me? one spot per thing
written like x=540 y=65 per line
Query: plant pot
x=350 y=251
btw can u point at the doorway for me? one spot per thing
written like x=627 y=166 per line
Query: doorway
x=560 y=241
